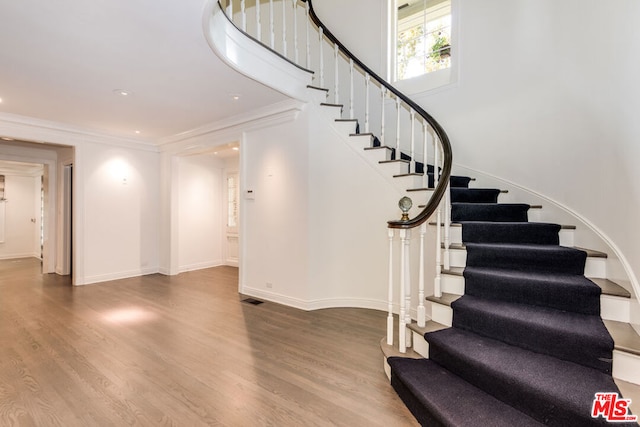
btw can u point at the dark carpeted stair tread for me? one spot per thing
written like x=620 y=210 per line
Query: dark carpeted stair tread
x=549 y=389
x=544 y=258
x=474 y=195
x=570 y=292
x=491 y=212
x=575 y=337
x=510 y=232
x=436 y=397
x=454 y=180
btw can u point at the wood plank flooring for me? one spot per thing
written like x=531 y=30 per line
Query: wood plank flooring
x=183 y=351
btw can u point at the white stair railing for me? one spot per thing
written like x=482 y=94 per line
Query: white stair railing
x=395 y=116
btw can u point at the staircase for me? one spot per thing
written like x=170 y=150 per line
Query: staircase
x=516 y=335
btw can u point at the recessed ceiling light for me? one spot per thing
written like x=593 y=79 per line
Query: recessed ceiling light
x=235 y=148
x=123 y=92
x=235 y=96
x=137 y=132
x=0 y=100
x=7 y=139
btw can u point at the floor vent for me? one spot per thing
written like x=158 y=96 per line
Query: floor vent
x=252 y=301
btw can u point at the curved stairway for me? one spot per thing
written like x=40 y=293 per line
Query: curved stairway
x=526 y=345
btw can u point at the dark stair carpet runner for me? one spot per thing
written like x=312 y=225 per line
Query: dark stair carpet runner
x=527 y=345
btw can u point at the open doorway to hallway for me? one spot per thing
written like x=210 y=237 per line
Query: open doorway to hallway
x=37 y=220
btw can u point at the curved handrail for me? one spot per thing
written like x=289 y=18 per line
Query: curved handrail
x=443 y=183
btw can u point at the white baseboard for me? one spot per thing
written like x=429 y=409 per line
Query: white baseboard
x=89 y=280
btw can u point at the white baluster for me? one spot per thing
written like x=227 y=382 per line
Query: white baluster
x=321 y=36
x=284 y=28
x=383 y=92
x=367 y=81
x=295 y=31
x=412 y=151
x=425 y=145
x=243 y=15
x=402 y=328
x=336 y=77
x=258 y=22
x=398 y=153
x=272 y=31
x=437 y=289
x=351 y=88
x=407 y=286
x=230 y=10
x=391 y=234
x=308 y=24
x=421 y=312
x=447 y=229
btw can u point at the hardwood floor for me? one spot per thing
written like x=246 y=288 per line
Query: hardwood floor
x=183 y=351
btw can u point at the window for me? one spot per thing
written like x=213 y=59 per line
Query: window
x=422 y=41
x=232 y=201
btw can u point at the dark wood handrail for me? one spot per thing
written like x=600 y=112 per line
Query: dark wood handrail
x=443 y=183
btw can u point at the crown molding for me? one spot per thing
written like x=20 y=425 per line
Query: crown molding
x=231 y=127
x=29 y=129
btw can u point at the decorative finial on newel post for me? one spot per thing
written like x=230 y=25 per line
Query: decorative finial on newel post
x=405 y=204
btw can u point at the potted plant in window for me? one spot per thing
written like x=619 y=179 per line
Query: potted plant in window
x=441 y=48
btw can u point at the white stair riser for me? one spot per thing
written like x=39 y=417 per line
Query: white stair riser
x=394 y=168
x=566 y=237
x=626 y=367
x=346 y=127
x=594 y=267
x=615 y=308
x=333 y=111
x=361 y=142
x=452 y=284
x=441 y=313
x=420 y=345
x=379 y=155
x=410 y=181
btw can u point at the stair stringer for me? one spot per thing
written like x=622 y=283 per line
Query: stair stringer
x=586 y=235
x=350 y=196
x=250 y=57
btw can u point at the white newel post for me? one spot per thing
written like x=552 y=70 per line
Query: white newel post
x=421 y=313
x=407 y=286
x=391 y=235
x=402 y=326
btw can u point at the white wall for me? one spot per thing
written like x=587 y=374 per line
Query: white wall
x=200 y=211
x=274 y=225
x=21 y=233
x=120 y=203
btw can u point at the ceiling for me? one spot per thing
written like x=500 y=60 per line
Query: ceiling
x=65 y=61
